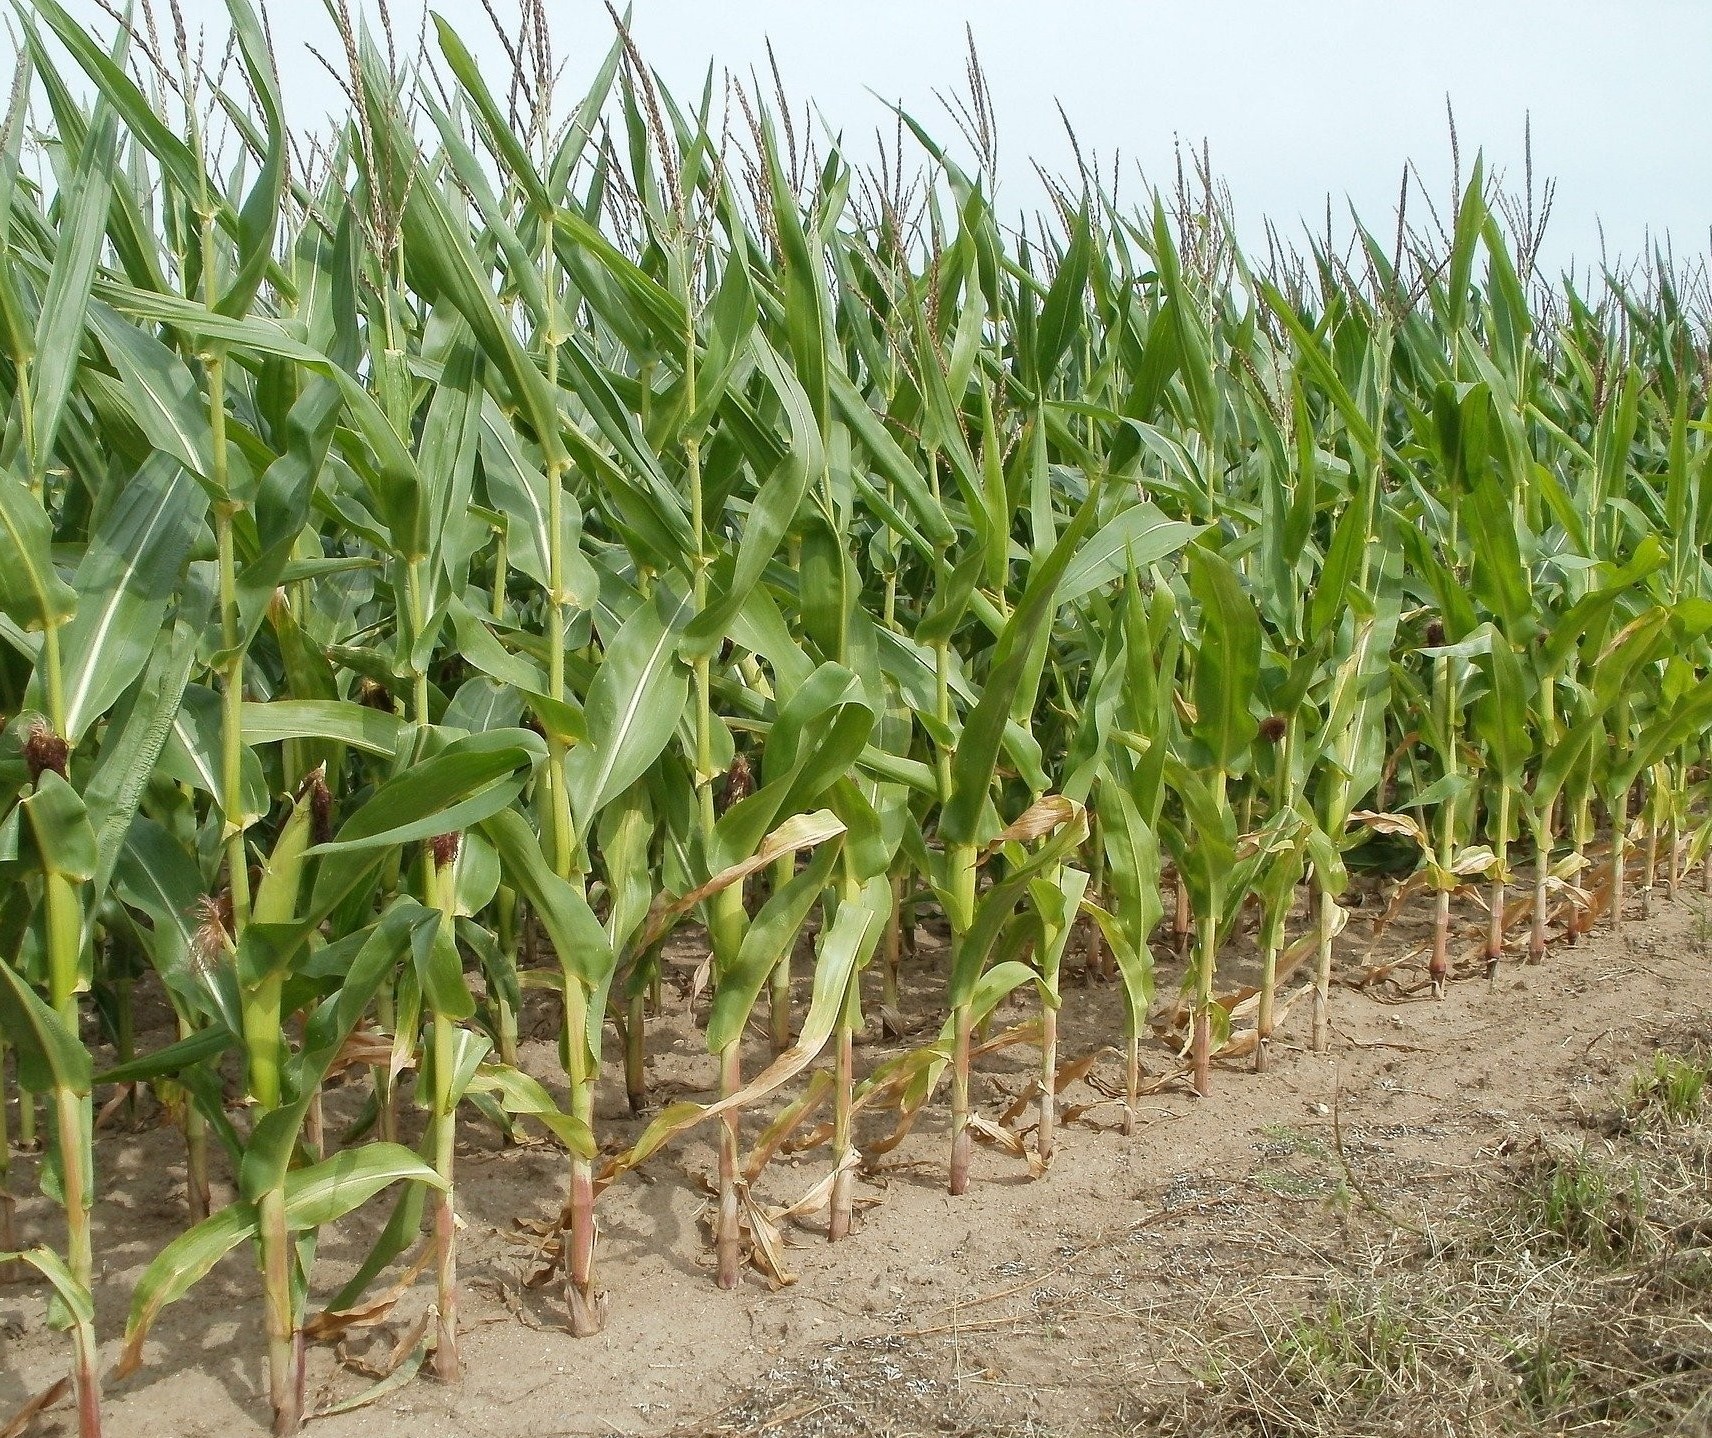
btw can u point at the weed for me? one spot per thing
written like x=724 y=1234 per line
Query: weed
x=1292 y=1185
x=1573 y=1203
x=1702 y=928
x=1670 y=1088
x=1354 y=1346
x=1280 y=1140
x=1548 y=1379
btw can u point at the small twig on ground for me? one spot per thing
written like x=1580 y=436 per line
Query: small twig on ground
x=1356 y=1043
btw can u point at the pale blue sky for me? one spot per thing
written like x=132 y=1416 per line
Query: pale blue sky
x=1297 y=99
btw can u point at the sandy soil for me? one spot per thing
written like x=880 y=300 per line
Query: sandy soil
x=1017 y=1308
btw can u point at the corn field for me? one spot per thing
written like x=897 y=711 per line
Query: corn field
x=446 y=560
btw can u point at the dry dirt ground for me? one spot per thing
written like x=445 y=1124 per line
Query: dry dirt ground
x=1114 y=1295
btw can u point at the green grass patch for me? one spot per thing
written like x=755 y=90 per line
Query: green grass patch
x=1671 y=1088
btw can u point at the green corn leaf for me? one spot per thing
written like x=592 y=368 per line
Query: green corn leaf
x=983 y=734
x=59 y=327
x=496 y=129
x=162 y=393
x=1227 y=664
x=175 y=1058
x=632 y=708
x=1499 y=578
x=1502 y=713
x=49 y=1055
x=63 y=840
x=1132 y=871
x=1349 y=543
x=1137 y=537
x=470 y=780
x=521 y=1095
x=768 y=938
x=373 y=731
x=772 y=511
x=136 y=736
x=131 y=571
x=844 y=947
x=32 y=594
x=176 y=1269
x=73 y=1295
x=327 y=1191
x=259 y=215
x=578 y=938
x=808 y=323
x=1062 y=315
